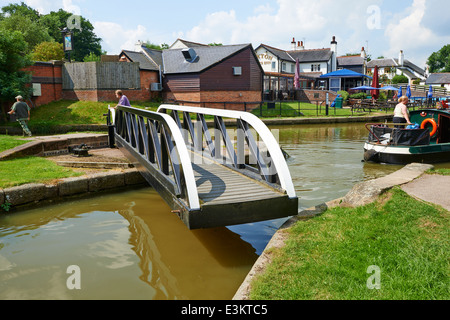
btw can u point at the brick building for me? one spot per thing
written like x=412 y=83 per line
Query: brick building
x=212 y=76
x=46 y=81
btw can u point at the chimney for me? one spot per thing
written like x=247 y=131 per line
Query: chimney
x=334 y=45
x=138 y=46
x=401 y=58
x=300 y=45
x=363 y=53
x=293 y=44
x=333 y=54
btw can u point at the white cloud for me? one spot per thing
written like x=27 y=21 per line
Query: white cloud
x=410 y=34
x=45 y=6
x=42 y=6
x=70 y=7
x=116 y=38
x=315 y=21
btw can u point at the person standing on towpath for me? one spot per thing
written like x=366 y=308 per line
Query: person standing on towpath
x=22 y=112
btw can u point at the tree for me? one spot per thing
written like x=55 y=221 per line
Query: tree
x=92 y=58
x=13 y=81
x=47 y=51
x=153 y=46
x=85 y=41
x=21 y=9
x=440 y=61
x=33 y=32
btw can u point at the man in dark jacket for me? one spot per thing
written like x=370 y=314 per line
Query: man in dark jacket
x=22 y=112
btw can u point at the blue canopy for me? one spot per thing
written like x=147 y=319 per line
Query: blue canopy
x=344 y=73
x=389 y=88
x=365 y=88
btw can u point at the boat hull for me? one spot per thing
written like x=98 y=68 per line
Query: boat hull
x=401 y=155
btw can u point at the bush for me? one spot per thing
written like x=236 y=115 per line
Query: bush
x=360 y=95
x=344 y=95
x=400 y=79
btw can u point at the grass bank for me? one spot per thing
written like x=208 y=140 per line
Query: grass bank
x=328 y=257
x=9 y=142
x=45 y=119
x=32 y=170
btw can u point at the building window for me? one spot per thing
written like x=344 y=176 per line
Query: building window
x=283 y=66
x=315 y=68
x=274 y=66
x=237 y=71
x=292 y=68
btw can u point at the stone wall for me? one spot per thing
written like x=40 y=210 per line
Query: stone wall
x=32 y=194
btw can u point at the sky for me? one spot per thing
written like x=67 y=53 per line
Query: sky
x=418 y=27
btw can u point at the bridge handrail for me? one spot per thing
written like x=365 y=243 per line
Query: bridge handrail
x=260 y=127
x=184 y=158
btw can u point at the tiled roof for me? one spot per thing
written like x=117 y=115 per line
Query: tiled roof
x=189 y=44
x=311 y=55
x=383 y=63
x=303 y=56
x=174 y=61
x=281 y=54
x=351 y=61
x=439 y=78
x=154 y=55
x=144 y=62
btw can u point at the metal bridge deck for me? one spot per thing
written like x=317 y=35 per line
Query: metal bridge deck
x=228 y=197
x=220 y=185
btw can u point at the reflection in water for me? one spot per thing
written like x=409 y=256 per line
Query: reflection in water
x=125 y=249
x=129 y=246
x=183 y=264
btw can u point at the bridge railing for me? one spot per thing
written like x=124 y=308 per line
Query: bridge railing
x=156 y=139
x=268 y=159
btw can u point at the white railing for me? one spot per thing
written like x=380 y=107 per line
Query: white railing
x=270 y=161
x=155 y=138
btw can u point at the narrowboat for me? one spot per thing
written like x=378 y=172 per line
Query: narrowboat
x=428 y=141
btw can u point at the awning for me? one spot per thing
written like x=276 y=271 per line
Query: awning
x=344 y=73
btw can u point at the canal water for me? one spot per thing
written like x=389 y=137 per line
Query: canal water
x=129 y=246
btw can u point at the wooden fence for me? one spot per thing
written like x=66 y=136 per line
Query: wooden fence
x=422 y=89
x=101 y=76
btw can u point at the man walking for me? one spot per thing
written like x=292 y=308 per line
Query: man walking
x=22 y=112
